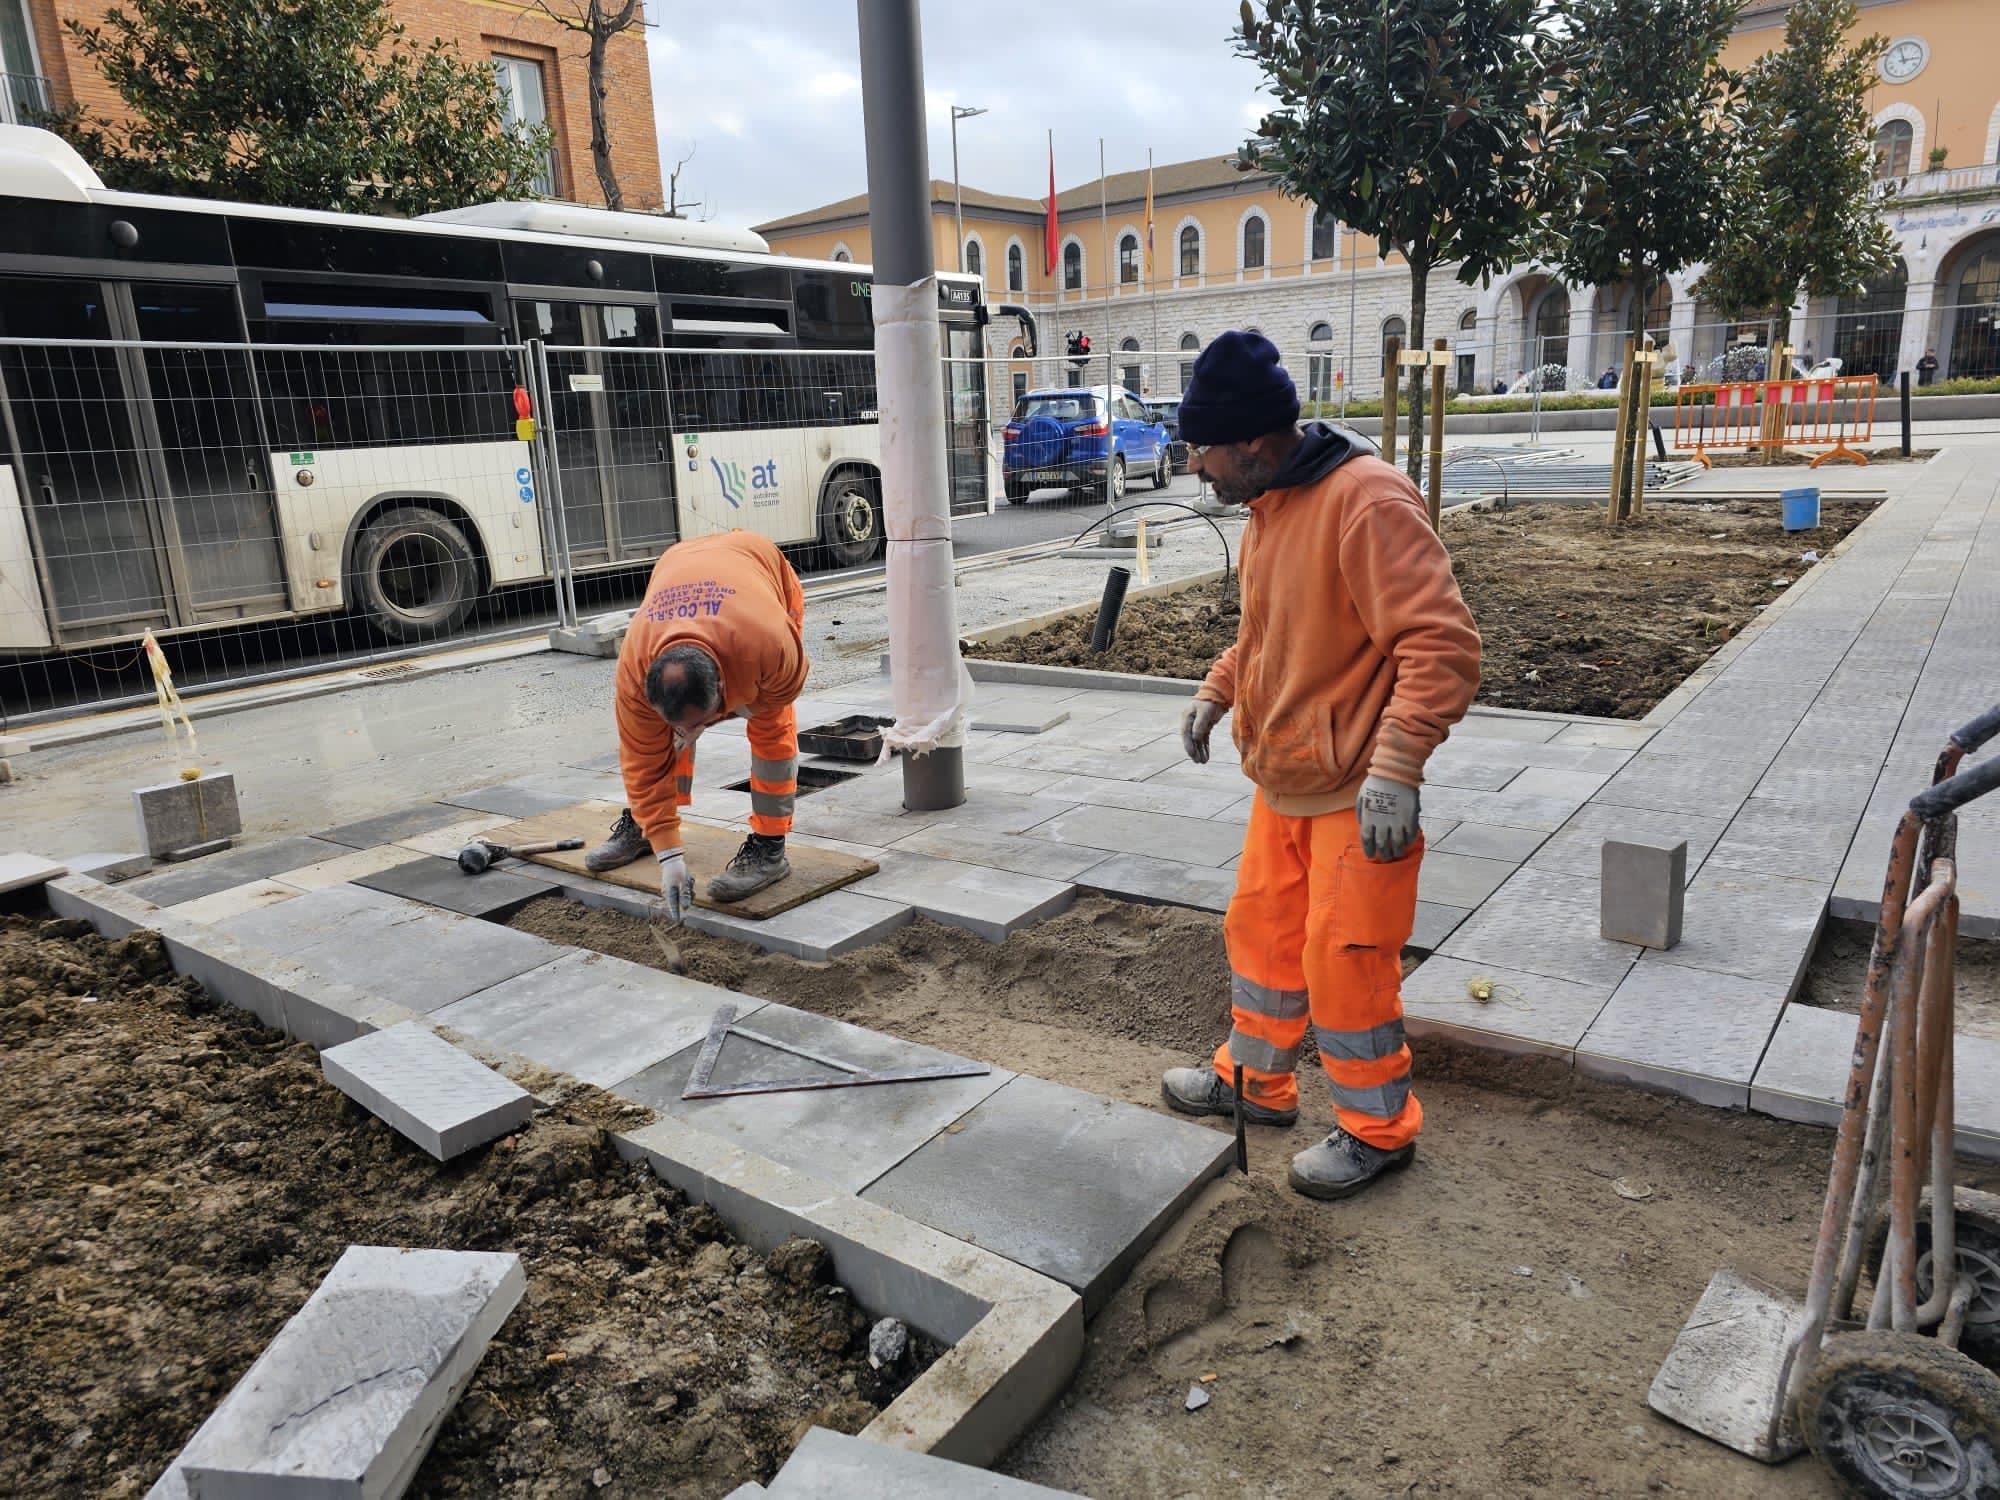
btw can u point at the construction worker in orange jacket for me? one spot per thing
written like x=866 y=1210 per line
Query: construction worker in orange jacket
x=718 y=636
x=1354 y=656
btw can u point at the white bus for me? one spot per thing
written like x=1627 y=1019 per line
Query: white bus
x=213 y=413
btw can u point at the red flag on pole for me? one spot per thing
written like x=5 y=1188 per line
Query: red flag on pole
x=1049 y=226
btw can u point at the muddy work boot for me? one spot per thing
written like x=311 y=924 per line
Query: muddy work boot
x=1201 y=1091
x=760 y=862
x=1341 y=1166
x=626 y=844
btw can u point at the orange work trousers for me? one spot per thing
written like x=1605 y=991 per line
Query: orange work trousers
x=1316 y=932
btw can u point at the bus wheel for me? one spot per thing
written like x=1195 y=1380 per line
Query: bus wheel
x=850 y=520
x=415 y=575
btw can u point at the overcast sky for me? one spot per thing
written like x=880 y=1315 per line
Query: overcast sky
x=771 y=91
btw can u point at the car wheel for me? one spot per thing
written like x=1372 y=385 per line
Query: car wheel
x=1163 y=471
x=850 y=520
x=415 y=576
x=1017 y=492
x=1114 y=486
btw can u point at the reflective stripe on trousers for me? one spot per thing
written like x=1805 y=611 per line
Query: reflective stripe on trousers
x=774 y=771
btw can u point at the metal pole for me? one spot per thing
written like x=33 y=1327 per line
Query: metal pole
x=1152 y=265
x=1903 y=392
x=1110 y=291
x=927 y=674
x=1353 y=265
x=957 y=193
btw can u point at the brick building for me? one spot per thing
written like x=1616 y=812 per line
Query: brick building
x=538 y=64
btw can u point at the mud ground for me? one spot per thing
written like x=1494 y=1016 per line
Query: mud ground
x=175 y=1180
x=1839 y=970
x=1485 y=1324
x=1574 y=617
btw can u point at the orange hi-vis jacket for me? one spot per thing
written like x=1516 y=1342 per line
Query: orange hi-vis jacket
x=736 y=597
x=1355 y=653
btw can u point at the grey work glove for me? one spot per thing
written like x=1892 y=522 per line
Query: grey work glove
x=1201 y=717
x=676 y=887
x=1388 y=813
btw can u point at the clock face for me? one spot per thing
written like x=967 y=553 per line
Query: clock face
x=1904 y=60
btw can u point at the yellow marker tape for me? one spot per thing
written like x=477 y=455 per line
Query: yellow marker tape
x=170 y=703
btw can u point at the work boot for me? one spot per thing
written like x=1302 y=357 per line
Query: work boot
x=760 y=862
x=1201 y=1091
x=1340 y=1166
x=626 y=844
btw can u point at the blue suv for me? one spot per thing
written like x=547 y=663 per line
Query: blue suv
x=1066 y=439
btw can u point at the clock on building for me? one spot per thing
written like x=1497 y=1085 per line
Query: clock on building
x=1904 y=60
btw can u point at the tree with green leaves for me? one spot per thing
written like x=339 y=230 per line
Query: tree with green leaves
x=1413 y=121
x=306 y=103
x=1799 y=216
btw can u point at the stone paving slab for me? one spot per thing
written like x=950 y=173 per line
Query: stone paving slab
x=1503 y=808
x=1577 y=847
x=833 y=1466
x=1702 y=784
x=1159 y=835
x=346 y=1399
x=512 y=799
x=402 y=951
x=1526 y=932
x=1185 y=798
x=1469 y=775
x=1160 y=882
x=1041 y=858
x=598 y=1018
x=1692 y=1033
x=992 y=903
x=1752 y=925
x=1462 y=880
x=1528 y=1013
x=1435 y=922
x=1489 y=841
x=19 y=871
x=445 y=842
x=389 y=827
x=491 y=895
x=426 y=1089
x=1067 y=1183
x=232 y=867
x=845 y=1137
x=250 y=896
x=351 y=864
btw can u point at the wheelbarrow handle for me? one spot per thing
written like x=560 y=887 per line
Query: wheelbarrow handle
x=1979 y=731
x=1950 y=795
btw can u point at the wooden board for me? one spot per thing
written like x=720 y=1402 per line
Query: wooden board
x=814 y=871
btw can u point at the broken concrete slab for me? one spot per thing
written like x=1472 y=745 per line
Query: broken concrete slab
x=425 y=1088
x=830 y=1465
x=1070 y=1184
x=219 y=872
x=1685 y=1031
x=389 y=827
x=345 y=1401
x=990 y=902
x=20 y=871
x=177 y=816
x=491 y=895
x=846 y=1137
x=597 y=1018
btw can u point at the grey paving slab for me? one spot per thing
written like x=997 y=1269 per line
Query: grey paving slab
x=1550 y=781
x=440 y=882
x=402 y=951
x=825 y=927
x=1112 y=765
x=1118 y=731
x=511 y=798
x=1782 y=838
x=1224 y=787
x=832 y=1466
x=1753 y=925
x=1537 y=936
x=574 y=785
x=1609 y=736
x=1459 y=879
x=1005 y=719
x=1480 y=725
x=1489 y=841
x=1435 y=922
x=1067 y=1183
x=1688 y=1032
x=1217 y=773
x=1803 y=1074
x=990 y=902
x=598 y=1018
x=1529 y=1013
x=346 y=1399
x=1000 y=851
x=1577 y=847
x=854 y=825
x=19 y=871
x=1705 y=784
x=1468 y=773
x=1506 y=809
x=232 y=867
x=431 y=1093
x=845 y=1137
x=388 y=827
x=1160 y=882
x=235 y=900
x=177 y=815
x=1161 y=835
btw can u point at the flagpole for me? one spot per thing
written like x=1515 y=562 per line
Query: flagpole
x=1152 y=266
x=1110 y=290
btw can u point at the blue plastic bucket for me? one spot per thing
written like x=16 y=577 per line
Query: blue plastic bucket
x=1799 y=508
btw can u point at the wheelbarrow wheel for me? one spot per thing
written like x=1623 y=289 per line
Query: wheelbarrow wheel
x=1976 y=1229
x=1898 y=1415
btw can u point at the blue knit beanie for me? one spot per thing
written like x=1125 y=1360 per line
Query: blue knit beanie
x=1239 y=392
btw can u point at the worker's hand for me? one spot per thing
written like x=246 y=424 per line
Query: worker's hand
x=1388 y=813
x=676 y=886
x=1201 y=717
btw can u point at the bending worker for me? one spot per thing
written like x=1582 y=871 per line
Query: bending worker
x=1353 y=658
x=718 y=637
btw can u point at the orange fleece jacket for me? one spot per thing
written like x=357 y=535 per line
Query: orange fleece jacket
x=735 y=596
x=1355 y=653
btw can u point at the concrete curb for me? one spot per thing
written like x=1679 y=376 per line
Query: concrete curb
x=1016 y=1336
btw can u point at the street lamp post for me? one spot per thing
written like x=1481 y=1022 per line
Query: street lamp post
x=959 y=112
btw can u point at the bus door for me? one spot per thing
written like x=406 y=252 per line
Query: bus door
x=212 y=462
x=965 y=417
x=71 y=434
x=608 y=418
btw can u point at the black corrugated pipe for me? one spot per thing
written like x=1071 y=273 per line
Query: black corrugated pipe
x=1109 y=608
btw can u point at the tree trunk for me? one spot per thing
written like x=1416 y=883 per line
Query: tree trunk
x=1775 y=415
x=600 y=135
x=1420 y=276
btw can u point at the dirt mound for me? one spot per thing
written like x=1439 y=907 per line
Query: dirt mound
x=177 y=1180
x=1574 y=617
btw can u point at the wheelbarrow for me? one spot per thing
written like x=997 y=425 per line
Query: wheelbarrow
x=1900 y=1399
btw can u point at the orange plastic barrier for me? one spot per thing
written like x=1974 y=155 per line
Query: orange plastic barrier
x=1833 y=412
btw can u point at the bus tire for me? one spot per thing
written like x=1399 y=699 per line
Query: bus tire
x=850 y=519
x=415 y=575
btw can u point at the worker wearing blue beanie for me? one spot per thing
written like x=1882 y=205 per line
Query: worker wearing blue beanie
x=1239 y=392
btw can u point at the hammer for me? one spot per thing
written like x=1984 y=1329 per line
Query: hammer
x=480 y=853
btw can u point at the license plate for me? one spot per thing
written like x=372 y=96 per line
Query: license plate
x=1044 y=476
